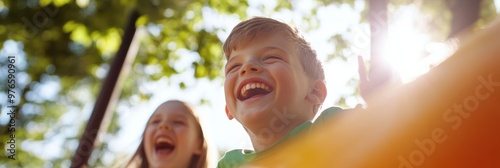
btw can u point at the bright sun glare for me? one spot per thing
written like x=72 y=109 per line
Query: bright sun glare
x=404 y=46
x=408 y=50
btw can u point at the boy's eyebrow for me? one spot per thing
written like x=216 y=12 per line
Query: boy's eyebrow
x=229 y=60
x=271 y=48
x=260 y=50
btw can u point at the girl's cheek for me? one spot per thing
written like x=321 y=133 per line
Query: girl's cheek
x=180 y=128
x=149 y=131
x=182 y=131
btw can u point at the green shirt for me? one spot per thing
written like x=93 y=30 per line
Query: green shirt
x=237 y=157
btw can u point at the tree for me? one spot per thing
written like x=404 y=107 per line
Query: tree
x=69 y=45
x=64 y=49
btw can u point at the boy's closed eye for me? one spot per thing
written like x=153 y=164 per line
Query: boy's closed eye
x=272 y=58
x=232 y=67
x=273 y=54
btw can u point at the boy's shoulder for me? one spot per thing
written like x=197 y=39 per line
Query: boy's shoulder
x=327 y=113
x=238 y=157
x=235 y=158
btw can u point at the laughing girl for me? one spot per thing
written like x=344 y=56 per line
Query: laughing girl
x=173 y=138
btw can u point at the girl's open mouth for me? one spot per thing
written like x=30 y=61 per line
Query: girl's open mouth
x=164 y=147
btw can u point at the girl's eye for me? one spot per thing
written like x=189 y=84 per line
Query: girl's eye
x=178 y=122
x=154 y=122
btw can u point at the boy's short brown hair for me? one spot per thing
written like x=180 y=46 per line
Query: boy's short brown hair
x=245 y=31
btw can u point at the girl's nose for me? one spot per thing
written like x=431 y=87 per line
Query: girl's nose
x=164 y=125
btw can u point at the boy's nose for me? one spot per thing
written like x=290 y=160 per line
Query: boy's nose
x=249 y=67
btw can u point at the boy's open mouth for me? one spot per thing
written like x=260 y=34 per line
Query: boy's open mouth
x=252 y=89
x=164 y=146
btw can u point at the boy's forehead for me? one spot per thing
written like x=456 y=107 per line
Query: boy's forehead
x=261 y=41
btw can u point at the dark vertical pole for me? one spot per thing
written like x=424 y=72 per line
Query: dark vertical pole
x=380 y=73
x=89 y=136
x=377 y=15
x=464 y=14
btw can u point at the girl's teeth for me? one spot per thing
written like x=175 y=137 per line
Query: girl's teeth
x=162 y=139
x=253 y=86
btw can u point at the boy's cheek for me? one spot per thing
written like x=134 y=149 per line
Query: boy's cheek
x=228 y=88
x=229 y=78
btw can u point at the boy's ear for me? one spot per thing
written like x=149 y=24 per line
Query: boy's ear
x=229 y=116
x=318 y=92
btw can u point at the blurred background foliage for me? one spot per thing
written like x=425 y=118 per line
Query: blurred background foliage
x=64 y=49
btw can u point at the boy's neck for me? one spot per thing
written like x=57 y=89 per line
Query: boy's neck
x=264 y=138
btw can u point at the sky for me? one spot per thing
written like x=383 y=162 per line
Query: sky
x=221 y=133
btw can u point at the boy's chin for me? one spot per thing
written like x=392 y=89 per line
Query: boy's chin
x=254 y=115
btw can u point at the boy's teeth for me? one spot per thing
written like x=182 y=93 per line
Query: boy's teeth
x=244 y=91
x=248 y=86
